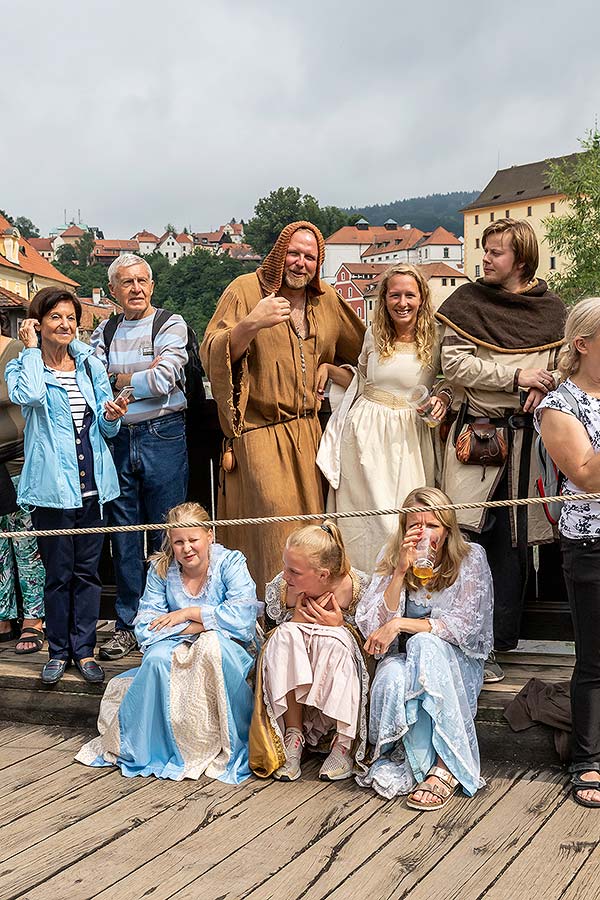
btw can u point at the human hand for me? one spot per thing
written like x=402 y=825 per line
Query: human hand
x=28 y=332
x=322 y=379
x=439 y=407
x=270 y=311
x=536 y=378
x=325 y=610
x=377 y=644
x=534 y=398
x=408 y=550
x=177 y=617
x=115 y=409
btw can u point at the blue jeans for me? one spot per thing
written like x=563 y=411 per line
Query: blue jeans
x=151 y=461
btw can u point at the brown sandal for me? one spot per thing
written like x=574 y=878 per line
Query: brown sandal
x=445 y=791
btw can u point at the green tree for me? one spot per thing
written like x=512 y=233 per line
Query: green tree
x=170 y=228
x=85 y=247
x=576 y=234
x=89 y=277
x=65 y=255
x=194 y=284
x=26 y=227
x=286 y=205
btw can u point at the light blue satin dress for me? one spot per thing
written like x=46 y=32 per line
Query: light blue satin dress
x=186 y=710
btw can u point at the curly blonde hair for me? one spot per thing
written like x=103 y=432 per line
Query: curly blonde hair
x=192 y=514
x=583 y=321
x=384 y=332
x=453 y=552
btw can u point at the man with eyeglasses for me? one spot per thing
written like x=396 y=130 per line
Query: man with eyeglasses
x=150 y=450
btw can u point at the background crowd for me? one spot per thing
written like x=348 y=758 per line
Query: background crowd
x=425 y=402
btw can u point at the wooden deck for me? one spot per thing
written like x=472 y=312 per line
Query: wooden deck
x=70 y=832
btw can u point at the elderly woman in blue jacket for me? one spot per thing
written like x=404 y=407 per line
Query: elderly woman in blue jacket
x=68 y=474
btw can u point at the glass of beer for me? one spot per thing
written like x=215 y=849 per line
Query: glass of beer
x=421 y=400
x=425 y=559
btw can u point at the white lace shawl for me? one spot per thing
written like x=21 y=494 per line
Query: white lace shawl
x=461 y=614
x=278 y=612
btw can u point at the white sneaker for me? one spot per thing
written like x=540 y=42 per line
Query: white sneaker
x=492 y=670
x=294 y=744
x=338 y=765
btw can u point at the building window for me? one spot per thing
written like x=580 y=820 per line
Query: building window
x=528 y=210
x=492 y=217
x=552 y=207
x=446 y=253
x=452 y=282
x=426 y=252
x=507 y=214
x=370 y=306
x=477 y=271
x=477 y=243
x=477 y=220
x=553 y=262
x=343 y=276
x=444 y=281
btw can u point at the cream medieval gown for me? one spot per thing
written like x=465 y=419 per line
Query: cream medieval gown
x=386 y=448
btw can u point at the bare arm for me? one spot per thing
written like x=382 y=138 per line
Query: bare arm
x=569 y=445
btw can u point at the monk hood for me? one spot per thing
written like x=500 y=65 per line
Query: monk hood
x=270 y=274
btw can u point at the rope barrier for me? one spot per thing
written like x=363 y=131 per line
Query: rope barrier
x=308 y=517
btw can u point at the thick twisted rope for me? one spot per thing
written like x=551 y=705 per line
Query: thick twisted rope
x=308 y=517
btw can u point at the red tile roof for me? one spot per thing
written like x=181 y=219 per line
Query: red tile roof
x=146 y=237
x=72 y=231
x=184 y=238
x=440 y=270
x=9 y=298
x=441 y=236
x=208 y=237
x=130 y=246
x=40 y=244
x=392 y=241
x=31 y=262
x=350 y=234
x=364 y=268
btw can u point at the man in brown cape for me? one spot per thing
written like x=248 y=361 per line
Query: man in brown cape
x=499 y=351
x=262 y=349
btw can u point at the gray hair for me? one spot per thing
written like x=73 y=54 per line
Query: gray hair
x=123 y=262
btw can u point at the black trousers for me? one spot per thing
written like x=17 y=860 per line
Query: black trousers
x=72 y=590
x=581 y=567
x=510 y=568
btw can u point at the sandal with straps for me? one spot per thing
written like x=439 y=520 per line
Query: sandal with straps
x=580 y=784
x=444 y=792
x=33 y=636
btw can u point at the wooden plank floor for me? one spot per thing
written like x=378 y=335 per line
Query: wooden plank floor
x=75 y=833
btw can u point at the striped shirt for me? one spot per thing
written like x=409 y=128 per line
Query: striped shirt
x=76 y=398
x=156 y=392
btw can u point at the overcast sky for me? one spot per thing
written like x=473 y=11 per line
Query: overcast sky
x=143 y=113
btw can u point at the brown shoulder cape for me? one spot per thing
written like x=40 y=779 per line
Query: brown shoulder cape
x=500 y=320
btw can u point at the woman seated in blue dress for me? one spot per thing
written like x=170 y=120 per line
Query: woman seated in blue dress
x=186 y=710
x=434 y=637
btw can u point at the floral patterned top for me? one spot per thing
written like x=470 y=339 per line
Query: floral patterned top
x=582 y=519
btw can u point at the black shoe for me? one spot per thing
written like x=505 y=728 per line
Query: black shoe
x=54 y=670
x=91 y=671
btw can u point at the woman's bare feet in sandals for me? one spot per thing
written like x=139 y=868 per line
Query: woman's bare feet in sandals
x=24 y=645
x=443 y=785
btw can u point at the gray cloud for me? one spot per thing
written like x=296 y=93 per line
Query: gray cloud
x=139 y=113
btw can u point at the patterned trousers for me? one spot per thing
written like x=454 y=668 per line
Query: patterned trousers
x=20 y=559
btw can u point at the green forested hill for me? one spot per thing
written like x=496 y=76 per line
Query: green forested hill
x=425 y=213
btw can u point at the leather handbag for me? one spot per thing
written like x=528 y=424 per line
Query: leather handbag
x=480 y=443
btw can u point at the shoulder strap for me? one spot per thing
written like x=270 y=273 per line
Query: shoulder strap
x=109 y=331
x=88 y=372
x=569 y=397
x=161 y=316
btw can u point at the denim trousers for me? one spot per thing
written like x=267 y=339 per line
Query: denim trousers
x=73 y=587
x=581 y=567
x=152 y=465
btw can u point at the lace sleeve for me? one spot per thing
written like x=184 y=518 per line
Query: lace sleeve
x=466 y=619
x=275 y=609
x=372 y=612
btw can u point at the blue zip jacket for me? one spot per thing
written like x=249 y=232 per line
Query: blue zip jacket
x=50 y=476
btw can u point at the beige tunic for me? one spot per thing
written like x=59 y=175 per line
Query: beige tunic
x=486 y=377
x=268 y=407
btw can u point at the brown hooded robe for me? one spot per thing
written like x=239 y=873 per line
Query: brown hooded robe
x=268 y=404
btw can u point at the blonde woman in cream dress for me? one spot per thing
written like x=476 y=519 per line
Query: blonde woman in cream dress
x=376 y=448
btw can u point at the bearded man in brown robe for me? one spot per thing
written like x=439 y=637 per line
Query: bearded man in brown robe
x=271 y=331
